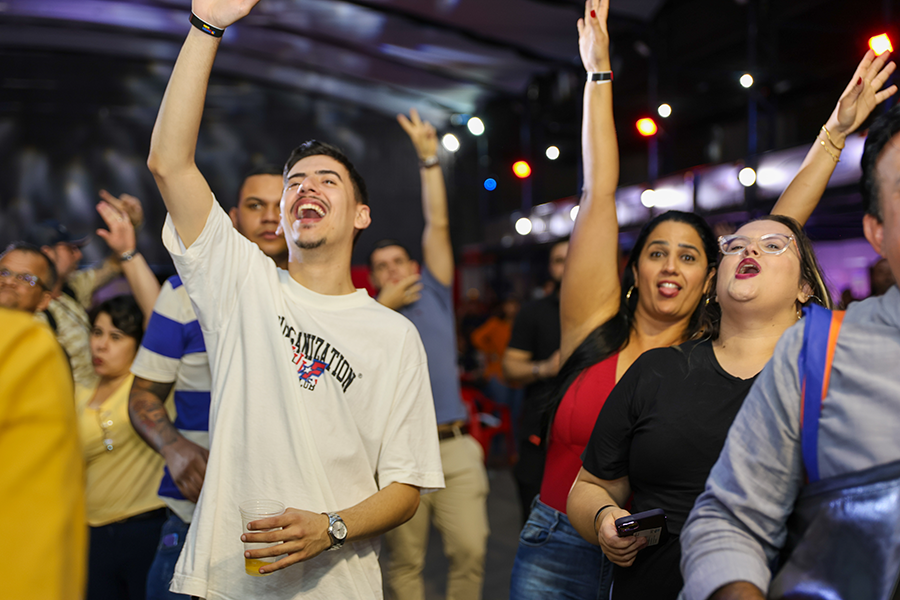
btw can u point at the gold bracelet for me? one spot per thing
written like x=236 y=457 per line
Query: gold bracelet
x=825 y=129
x=830 y=152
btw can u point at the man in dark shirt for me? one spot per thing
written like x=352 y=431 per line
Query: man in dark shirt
x=532 y=358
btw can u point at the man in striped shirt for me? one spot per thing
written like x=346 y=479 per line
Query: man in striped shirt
x=173 y=355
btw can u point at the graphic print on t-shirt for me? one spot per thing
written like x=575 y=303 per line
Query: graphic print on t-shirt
x=313 y=356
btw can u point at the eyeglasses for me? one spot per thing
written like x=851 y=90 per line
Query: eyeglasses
x=771 y=243
x=28 y=278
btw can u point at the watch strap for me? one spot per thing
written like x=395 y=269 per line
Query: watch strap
x=429 y=161
x=336 y=542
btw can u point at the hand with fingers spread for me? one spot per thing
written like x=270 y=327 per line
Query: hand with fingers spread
x=127 y=204
x=222 y=13
x=422 y=134
x=303 y=535
x=397 y=295
x=120 y=236
x=861 y=96
x=593 y=36
x=619 y=550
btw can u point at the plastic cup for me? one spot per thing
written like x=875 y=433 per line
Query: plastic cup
x=253 y=510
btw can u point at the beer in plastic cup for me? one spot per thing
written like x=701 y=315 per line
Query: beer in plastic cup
x=253 y=510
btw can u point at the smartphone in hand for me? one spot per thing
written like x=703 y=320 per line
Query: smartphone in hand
x=650 y=524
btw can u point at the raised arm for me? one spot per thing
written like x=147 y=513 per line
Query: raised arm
x=121 y=240
x=590 y=287
x=436 y=249
x=859 y=99
x=173 y=143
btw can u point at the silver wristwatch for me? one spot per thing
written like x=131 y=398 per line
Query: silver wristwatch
x=337 y=530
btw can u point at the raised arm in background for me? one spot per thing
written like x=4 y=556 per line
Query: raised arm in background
x=859 y=99
x=436 y=249
x=174 y=141
x=590 y=290
x=121 y=240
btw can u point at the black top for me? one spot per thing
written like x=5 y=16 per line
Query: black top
x=535 y=330
x=664 y=425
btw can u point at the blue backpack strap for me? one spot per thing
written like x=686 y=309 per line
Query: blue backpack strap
x=820 y=333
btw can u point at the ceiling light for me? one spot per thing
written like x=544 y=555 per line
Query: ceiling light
x=476 y=126
x=523 y=226
x=747 y=177
x=450 y=142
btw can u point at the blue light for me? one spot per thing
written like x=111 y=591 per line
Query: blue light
x=490 y=184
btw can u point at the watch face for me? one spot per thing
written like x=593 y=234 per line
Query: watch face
x=339 y=530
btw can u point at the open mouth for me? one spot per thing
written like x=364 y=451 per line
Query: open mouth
x=668 y=289
x=747 y=268
x=308 y=211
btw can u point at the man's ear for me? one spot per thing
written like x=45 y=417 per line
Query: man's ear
x=46 y=297
x=874 y=232
x=50 y=252
x=363 y=217
x=416 y=265
x=233 y=213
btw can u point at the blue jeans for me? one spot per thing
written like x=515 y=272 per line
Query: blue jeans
x=554 y=561
x=171 y=541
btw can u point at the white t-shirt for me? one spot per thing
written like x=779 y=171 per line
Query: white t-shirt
x=317 y=401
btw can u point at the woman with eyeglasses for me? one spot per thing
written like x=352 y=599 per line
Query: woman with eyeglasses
x=123 y=473
x=664 y=424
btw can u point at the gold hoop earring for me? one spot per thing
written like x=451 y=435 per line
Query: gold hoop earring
x=628 y=295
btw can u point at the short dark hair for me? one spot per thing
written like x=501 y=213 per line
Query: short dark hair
x=263 y=169
x=882 y=131
x=385 y=243
x=52 y=275
x=257 y=169
x=317 y=148
x=125 y=315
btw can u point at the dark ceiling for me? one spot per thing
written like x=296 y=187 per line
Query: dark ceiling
x=514 y=63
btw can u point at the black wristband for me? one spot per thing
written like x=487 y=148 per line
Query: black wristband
x=598 y=76
x=597 y=514
x=206 y=27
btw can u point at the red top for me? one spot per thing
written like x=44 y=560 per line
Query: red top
x=571 y=430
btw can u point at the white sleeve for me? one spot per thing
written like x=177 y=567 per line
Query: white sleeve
x=215 y=267
x=410 y=452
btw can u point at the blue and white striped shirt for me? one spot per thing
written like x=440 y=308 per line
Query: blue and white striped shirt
x=173 y=351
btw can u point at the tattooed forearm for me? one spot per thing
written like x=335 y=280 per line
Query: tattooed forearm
x=148 y=414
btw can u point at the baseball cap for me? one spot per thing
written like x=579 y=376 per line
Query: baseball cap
x=52 y=232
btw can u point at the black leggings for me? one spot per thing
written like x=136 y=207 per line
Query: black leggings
x=120 y=556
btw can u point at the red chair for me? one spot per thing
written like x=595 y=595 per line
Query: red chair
x=488 y=419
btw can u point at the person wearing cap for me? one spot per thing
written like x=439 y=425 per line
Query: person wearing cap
x=66 y=313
